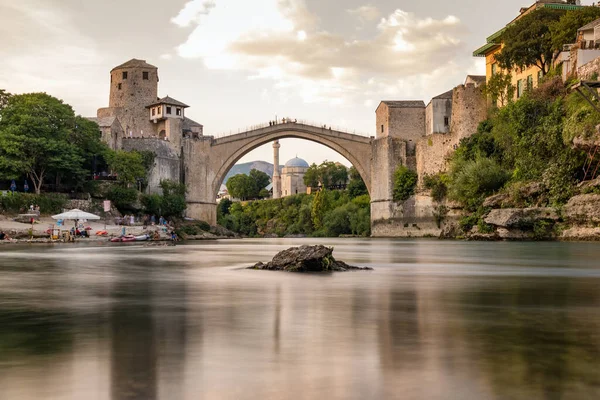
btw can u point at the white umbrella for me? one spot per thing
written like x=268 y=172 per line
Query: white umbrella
x=76 y=214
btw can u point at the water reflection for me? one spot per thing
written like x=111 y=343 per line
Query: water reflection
x=435 y=320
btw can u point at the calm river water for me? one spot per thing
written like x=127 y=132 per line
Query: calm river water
x=434 y=320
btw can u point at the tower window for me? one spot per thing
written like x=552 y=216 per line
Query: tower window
x=381 y=128
x=125 y=75
x=446 y=121
x=179 y=112
x=168 y=110
x=145 y=76
x=153 y=111
x=119 y=86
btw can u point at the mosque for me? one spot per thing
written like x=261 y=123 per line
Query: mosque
x=291 y=179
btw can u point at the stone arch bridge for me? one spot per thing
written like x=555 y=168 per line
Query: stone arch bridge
x=207 y=160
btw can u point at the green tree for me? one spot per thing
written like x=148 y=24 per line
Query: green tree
x=405 y=182
x=565 y=30
x=528 y=42
x=319 y=208
x=4 y=97
x=261 y=181
x=35 y=138
x=311 y=177
x=500 y=89
x=128 y=165
x=356 y=186
x=240 y=186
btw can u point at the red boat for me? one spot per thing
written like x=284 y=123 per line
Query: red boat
x=126 y=238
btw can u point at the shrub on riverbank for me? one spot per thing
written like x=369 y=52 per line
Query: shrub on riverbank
x=293 y=215
x=50 y=203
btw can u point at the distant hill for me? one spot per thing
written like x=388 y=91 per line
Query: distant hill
x=245 y=168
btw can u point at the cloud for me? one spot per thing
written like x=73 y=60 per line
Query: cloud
x=192 y=12
x=54 y=57
x=284 y=43
x=368 y=13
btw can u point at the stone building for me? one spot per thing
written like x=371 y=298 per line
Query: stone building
x=421 y=138
x=438 y=113
x=292 y=177
x=526 y=77
x=137 y=119
x=135 y=111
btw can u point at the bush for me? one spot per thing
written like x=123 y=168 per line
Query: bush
x=473 y=181
x=49 y=203
x=438 y=186
x=123 y=198
x=152 y=204
x=405 y=181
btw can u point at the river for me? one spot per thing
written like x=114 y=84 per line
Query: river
x=434 y=320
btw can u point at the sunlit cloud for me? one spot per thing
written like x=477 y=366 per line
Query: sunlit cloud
x=286 y=44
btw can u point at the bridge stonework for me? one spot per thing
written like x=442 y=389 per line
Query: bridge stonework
x=207 y=160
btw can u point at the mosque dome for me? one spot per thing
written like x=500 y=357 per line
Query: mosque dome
x=296 y=163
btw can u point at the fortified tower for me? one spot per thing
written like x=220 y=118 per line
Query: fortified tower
x=276 y=174
x=133 y=86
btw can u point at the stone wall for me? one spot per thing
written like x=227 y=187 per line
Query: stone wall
x=404 y=121
x=167 y=164
x=433 y=152
x=416 y=217
x=586 y=71
x=469 y=108
x=388 y=154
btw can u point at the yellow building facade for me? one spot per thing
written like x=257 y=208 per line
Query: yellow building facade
x=521 y=78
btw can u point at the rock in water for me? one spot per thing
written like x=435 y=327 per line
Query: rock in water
x=306 y=259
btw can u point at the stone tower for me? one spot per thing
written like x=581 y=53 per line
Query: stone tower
x=133 y=86
x=276 y=173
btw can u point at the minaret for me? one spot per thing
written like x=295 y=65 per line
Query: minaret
x=276 y=174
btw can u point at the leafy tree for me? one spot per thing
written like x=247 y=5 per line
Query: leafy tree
x=36 y=138
x=528 y=42
x=173 y=198
x=327 y=173
x=152 y=204
x=356 y=186
x=223 y=208
x=128 y=165
x=240 y=186
x=261 y=181
x=4 y=97
x=500 y=89
x=311 y=177
x=565 y=30
x=251 y=186
x=405 y=181
x=123 y=198
x=319 y=208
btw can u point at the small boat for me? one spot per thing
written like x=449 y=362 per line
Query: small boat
x=126 y=238
x=142 y=238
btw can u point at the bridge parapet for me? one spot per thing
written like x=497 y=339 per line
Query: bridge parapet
x=258 y=130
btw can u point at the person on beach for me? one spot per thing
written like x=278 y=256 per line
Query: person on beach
x=173 y=236
x=3 y=236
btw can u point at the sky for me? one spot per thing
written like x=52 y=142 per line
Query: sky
x=239 y=63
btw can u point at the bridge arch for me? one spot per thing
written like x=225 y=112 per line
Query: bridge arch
x=362 y=165
x=207 y=160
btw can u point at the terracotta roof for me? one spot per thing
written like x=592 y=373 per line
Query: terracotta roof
x=404 y=103
x=135 y=63
x=168 y=100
